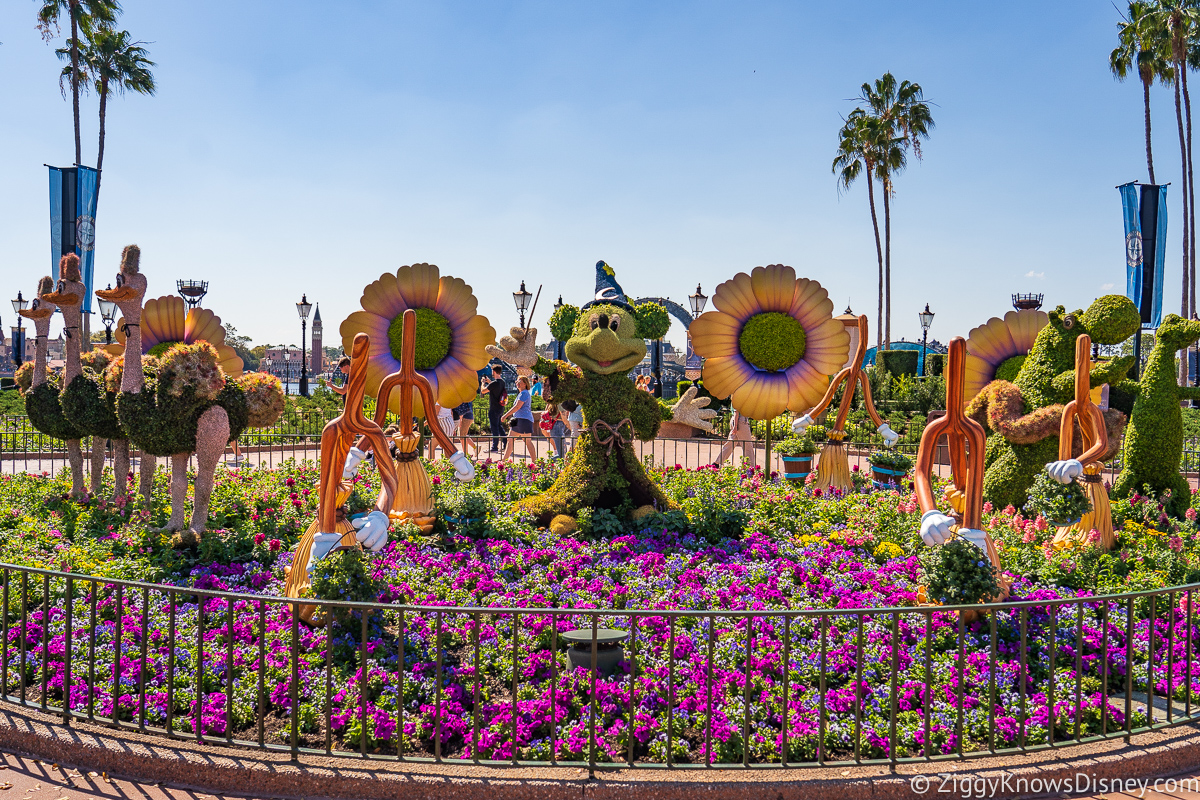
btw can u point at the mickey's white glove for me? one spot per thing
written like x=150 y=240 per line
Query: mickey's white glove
x=935 y=527
x=322 y=544
x=890 y=437
x=371 y=530
x=464 y=470
x=800 y=424
x=353 y=460
x=1065 y=471
x=975 y=537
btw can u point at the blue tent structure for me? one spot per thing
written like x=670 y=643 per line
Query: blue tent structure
x=932 y=347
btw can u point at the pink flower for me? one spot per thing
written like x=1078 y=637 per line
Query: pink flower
x=1190 y=514
x=1029 y=538
x=1009 y=510
x=259 y=538
x=1094 y=536
x=1040 y=523
x=987 y=506
x=1176 y=544
x=274 y=545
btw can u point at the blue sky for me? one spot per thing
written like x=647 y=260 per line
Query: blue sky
x=308 y=147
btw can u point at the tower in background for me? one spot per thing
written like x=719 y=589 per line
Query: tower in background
x=318 y=352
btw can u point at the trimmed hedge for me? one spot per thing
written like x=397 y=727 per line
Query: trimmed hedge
x=899 y=362
x=935 y=363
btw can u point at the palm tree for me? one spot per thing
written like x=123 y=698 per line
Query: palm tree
x=83 y=15
x=907 y=119
x=1138 y=45
x=855 y=154
x=115 y=63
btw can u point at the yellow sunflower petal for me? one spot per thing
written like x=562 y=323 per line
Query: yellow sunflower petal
x=175 y=312
x=810 y=303
x=230 y=361
x=418 y=285
x=715 y=334
x=119 y=334
x=736 y=297
x=381 y=296
x=155 y=324
x=455 y=301
x=418 y=408
x=723 y=374
x=827 y=346
x=114 y=349
x=469 y=341
x=806 y=386
x=371 y=324
x=456 y=382
x=774 y=286
x=202 y=323
x=763 y=396
x=977 y=373
x=1024 y=327
x=991 y=341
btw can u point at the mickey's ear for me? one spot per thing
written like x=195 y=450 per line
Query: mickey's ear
x=562 y=322
x=653 y=320
x=1057 y=314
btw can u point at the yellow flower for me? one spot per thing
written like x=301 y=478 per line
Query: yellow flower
x=167 y=321
x=451 y=335
x=996 y=341
x=771 y=344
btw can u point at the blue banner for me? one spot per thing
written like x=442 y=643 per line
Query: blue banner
x=1144 y=209
x=85 y=229
x=1133 y=241
x=73 y=222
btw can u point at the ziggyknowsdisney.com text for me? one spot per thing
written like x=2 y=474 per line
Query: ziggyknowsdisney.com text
x=1008 y=785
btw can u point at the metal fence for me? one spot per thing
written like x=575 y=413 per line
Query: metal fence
x=692 y=688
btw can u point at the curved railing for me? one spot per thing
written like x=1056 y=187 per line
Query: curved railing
x=815 y=687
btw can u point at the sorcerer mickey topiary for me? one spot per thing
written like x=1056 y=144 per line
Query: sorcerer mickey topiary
x=1024 y=415
x=607 y=341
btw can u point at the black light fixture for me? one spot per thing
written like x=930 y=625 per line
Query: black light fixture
x=192 y=292
x=521 y=299
x=108 y=312
x=19 y=305
x=926 y=318
x=698 y=301
x=302 y=308
x=287 y=369
x=559 y=347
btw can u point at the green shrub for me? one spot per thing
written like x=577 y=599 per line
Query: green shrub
x=898 y=362
x=935 y=363
x=890 y=459
x=958 y=573
x=345 y=576
x=1059 y=503
x=796 y=446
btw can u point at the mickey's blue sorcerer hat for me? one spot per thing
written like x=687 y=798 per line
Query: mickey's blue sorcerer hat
x=608 y=291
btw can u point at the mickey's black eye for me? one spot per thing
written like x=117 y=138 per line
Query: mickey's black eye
x=1069 y=321
x=594 y=322
x=614 y=322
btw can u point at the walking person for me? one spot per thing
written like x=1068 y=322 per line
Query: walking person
x=497 y=394
x=444 y=418
x=574 y=419
x=739 y=435
x=464 y=415
x=522 y=422
x=558 y=429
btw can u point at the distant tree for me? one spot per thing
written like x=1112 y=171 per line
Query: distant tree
x=1140 y=47
x=242 y=346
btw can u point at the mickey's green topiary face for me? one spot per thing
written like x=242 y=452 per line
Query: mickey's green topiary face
x=1178 y=333
x=606 y=340
x=1111 y=319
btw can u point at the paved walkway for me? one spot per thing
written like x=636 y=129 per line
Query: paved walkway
x=31 y=779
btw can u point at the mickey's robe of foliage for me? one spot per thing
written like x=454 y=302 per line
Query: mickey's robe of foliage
x=606 y=342
x=1153 y=448
x=1024 y=415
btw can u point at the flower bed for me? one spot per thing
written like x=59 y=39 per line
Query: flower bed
x=422 y=680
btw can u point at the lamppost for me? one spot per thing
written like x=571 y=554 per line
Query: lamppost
x=19 y=305
x=302 y=308
x=698 y=301
x=266 y=364
x=521 y=299
x=926 y=318
x=108 y=312
x=559 y=346
x=287 y=369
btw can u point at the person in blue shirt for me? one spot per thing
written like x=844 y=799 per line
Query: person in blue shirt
x=522 y=421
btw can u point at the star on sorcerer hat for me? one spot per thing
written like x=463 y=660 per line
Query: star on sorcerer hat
x=607 y=289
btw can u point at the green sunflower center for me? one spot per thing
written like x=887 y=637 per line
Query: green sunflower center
x=161 y=348
x=433 y=338
x=1009 y=367
x=772 y=341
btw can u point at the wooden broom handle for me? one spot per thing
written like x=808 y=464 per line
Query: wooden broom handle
x=1091 y=419
x=407 y=379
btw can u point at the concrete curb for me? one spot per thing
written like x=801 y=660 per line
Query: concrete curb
x=147 y=758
